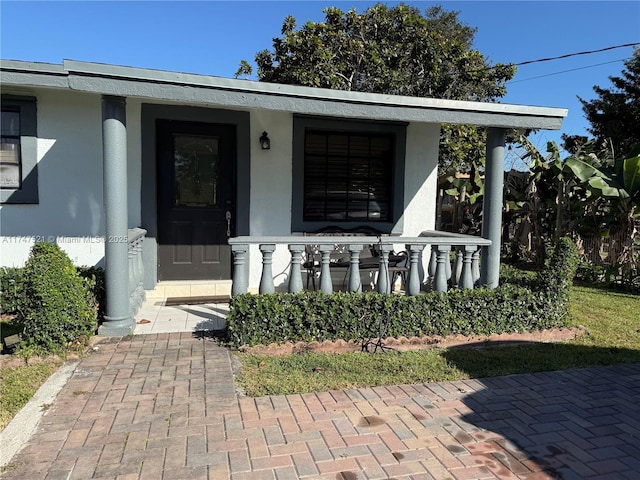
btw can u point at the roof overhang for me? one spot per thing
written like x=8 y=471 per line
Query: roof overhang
x=159 y=85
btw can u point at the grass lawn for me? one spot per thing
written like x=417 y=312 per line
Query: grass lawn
x=20 y=380
x=19 y=384
x=612 y=320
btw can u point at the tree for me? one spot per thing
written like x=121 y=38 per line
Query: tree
x=385 y=50
x=615 y=114
x=583 y=194
x=244 y=69
x=395 y=51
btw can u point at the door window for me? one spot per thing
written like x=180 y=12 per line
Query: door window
x=196 y=170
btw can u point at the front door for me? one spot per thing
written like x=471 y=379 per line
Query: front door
x=196 y=199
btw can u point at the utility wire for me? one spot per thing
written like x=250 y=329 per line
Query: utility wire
x=566 y=71
x=575 y=54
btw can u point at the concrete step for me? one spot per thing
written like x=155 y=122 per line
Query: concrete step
x=191 y=291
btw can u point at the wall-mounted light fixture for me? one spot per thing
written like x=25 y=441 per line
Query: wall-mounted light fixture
x=265 y=143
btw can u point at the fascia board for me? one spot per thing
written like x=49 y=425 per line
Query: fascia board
x=246 y=94
x=248 y=86
x=32 y=74
x=199 y=95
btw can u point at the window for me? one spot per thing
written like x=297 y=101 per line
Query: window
x=347 y=174
x=10 y=149
x=18 y=162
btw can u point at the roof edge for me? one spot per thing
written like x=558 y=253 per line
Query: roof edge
x=92 y=69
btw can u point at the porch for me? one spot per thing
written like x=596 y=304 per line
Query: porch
x=178 y=306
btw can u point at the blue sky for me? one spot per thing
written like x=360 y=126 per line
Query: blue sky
x=211 y=37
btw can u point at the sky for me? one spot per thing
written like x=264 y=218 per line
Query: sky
x=211 y=37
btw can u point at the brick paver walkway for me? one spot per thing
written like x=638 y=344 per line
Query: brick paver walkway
x=164 y=407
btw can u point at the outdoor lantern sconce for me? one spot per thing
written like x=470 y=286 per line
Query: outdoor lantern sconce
x=265 y=143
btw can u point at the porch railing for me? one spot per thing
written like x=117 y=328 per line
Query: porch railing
x=136 y=269
x=464 y=273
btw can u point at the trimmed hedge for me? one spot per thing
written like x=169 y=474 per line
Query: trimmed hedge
x=11 y=289
x=314 y=316
x=59 y=308
x=96 y=282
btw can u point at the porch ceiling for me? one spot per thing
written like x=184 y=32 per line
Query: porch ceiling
x=245 y=94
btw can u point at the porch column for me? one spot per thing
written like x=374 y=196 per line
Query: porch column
x=492 y=207
x=117 y=320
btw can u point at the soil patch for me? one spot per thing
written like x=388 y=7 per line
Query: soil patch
x=419 y=343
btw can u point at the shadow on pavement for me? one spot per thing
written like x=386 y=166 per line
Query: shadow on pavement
x=569 y=424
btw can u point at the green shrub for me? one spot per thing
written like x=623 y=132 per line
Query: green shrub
x=59 y=308
x=314 y=316
x=11 y=289
x=95 y=278
x=515 y=276
x=560 y=270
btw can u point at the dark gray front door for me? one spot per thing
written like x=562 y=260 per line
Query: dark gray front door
x=196 y=199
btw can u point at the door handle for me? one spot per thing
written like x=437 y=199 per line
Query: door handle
x=228 y=217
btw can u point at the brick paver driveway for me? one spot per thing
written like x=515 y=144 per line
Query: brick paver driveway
x=164 y=407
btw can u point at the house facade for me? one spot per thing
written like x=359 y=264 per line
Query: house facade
x=92 y=151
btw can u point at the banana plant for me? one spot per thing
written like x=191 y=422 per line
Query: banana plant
x=623 y=183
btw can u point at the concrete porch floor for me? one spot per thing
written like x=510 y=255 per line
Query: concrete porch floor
x=183 y=307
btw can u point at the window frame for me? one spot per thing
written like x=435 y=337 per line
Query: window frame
x=28 y=191
x=398 y=130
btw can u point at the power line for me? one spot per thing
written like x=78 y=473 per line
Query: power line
x=575 y=54
x=566 y=71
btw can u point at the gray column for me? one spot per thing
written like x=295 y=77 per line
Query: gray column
x=384 y=279
x=266 y=279
x=440 y=281
x=492 y=207
x=240 y=283
x=295 y=273
x=466 y=276
x=117 y=320
x=457 y=271
x=475 y=266
x=326 y=284
x=413 y=283
x=355 y=284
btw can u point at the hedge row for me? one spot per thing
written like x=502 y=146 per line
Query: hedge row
x=314 y=316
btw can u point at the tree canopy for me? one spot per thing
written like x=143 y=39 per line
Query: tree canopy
x=614 y=114
x=392 y=50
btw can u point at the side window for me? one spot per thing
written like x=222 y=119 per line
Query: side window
x=347 y=174
x=18 y=150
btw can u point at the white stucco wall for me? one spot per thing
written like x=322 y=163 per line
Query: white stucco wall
x=421 y=183
x=271 y=189
x=69 y=154
x=421 y=178
x=70 y=209
x=134 y=161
